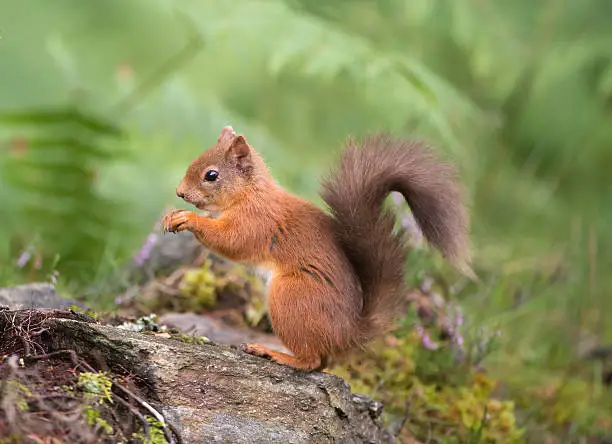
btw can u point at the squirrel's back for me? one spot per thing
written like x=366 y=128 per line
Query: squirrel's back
x=355 y=193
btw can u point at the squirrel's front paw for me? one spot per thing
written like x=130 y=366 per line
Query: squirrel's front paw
x=178 y=220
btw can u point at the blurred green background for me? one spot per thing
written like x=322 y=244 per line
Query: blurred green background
x=103 y=103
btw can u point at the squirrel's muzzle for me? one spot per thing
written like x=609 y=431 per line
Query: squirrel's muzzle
x=181 y=190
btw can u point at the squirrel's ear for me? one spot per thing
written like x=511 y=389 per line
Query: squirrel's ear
x=227 y=134
x=239 y=152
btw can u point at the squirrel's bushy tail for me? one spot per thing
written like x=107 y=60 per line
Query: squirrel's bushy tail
x=355 y=193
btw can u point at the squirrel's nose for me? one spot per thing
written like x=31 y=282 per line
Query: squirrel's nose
x=180 y=194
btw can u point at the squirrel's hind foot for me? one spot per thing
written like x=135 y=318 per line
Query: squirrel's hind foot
x=309 y=364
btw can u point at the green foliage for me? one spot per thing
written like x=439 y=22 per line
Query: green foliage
x=563 y=405
x=97 y=386
x=517 y=93
x=87 y=311
x=93 y=419
x=189 y=339
x=203 y=287
x=18 y=391
x=566 y=404
x=440 y=397
x=200 y=286
x=54 y=158
x=156 y=433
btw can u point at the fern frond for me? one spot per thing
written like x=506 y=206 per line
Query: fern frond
x=54 y=178
x=292 y=41
x=61 y=116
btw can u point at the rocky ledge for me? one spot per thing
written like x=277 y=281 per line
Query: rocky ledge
x=190 y=391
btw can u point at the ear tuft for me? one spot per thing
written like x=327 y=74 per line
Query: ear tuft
x=227 y=134
x=240 y=152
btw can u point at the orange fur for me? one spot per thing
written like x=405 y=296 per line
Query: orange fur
x=333 y=286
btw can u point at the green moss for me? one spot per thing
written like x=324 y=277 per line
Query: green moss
x=203 y=287
x=21 y=393
x=438 y=407
x=156 y=433
x=144 y=324
x=97 y=386
x=567 y=405
x=255 y=311
x=87 y=312
x=93 y=419
x=189 y=339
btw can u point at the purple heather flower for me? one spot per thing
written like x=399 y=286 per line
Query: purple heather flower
x=397 y=198
x=459 y=319
x=24 y=258
x=437 y=299
x=407 y=220
x=455 y=327
x=425 y=339
x=426 y=284
x=412 y=228
x=407 y=223
x=458 y=338
x=458 y=315
x=145 y=251
x=54 y=277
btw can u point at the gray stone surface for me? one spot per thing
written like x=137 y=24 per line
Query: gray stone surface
x=212 y=393
x=219 y=331
x=37 y=295
x=161 y=253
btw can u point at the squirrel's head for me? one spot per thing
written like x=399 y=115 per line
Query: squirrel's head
x=221 y=175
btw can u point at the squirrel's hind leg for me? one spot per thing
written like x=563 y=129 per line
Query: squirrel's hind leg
x=310 y=363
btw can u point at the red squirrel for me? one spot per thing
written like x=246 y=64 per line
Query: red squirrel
x=338 y=277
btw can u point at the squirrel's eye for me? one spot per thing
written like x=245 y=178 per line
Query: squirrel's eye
x=211 y=175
